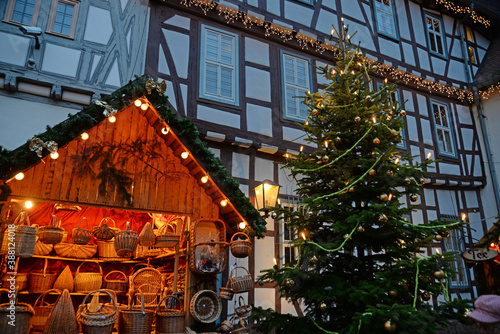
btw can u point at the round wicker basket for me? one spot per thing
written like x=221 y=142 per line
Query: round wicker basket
x=205 y=306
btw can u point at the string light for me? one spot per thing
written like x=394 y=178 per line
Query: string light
x=144 y=106
x=464 y=216
x=138 y=103
x=184 y=155
x=19 y=176
x=223 y=202
x=165 y=130
x=204 y=179
x=84 y=136
x=429 y=155
x=54 y=155
x=242 y=225
x=464 y=10
x=112 y=119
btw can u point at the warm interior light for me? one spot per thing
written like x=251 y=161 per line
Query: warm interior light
x=85 y=136
x=204 y=179
x=223 y=202
x=19 y=176
x=28 y=204
x=54 y=155
x=165 y=130
x=242 y=225
x=144 y=106
x=138 y=103
x=184 y=155
x=112 y=119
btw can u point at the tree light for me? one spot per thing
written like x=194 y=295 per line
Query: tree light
x=112 y=119
x=204 y=179
x=165 y=130
x=464 y=216
x=429 y=155
x=19 y=176
x=242 y=225
x=275 y=262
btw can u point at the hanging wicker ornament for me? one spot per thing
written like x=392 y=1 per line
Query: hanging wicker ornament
x=376 y=141
x=147 y=236
x=390 y=326
x=439 y=274
x=325 y=158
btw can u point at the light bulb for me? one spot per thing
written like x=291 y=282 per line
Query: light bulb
x=28 y=204
x=144 y=106
x=204 y=179
x=165 y=130
x=223 y=202
x=138 y=103
x=112 y=119
x=85 y=136
x=19 y=176
x=184 y=155
x=54 y=155
x=242 y=225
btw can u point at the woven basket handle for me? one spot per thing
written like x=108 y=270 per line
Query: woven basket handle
x=78 y=269
x=132 y=299
x=240 y=233
x=116 y=271
x=164 y=298
x=99 y=291
x=231 y=274
x=81 y=222
x=241 y=301
x=55 y=221
x=21 y=218
x=106 y=221
x=45 y=263
x=42 y=296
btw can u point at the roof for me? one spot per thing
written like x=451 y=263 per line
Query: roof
x=489 y=73
x=134 y=163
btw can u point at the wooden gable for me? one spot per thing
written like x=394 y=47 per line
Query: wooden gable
x=138 y=146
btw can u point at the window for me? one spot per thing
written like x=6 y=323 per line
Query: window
x=455 y=243
x=443 y=127
x=471 y=50
x=396 y=101
x=385 y=18
x=219 y=58
x=62 y=19
x=288 y=253
x=23 y=12
x=435 y=35
x=296 y=78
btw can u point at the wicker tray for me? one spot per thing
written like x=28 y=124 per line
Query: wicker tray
x=71 y=250
x=205 y=306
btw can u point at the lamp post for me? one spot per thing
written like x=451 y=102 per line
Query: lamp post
x=266 y=196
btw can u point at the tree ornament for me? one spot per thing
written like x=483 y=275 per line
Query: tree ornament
x=274 y=215
x=382 y=218
x=357 y=119
x=426 y=296
x=372 y=172
x=361 y=229
x=384 y=197
x=313 y=259
x=351 y=189
x=390 y=326
x=338 y=140
x=289 y=282
x=325 y=158
x=376 y=141
x=438 y=237
x=320 y=105
x=261 y=282
x=346 y=236
x=314 y=112
x=439 y=274
x=413 y=198
x=402 y=113
x=393 y=293
x=390 y=173
x=422 y=181
x=445 y=234
x=407 y=180
x=368 y=98
x=322 y=306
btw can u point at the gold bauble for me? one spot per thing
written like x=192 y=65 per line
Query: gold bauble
x=325 y=158
x=445 y=234
x=426 y=296
x=357 y=118
x=439 y=274
x=314 y=112
x=413 y=198
x=382 y=218
x=384 y=197
x=402 y=113
x=289 y=282
x=351 y=189
x=407 y=180
x=438 y=237
x=368 y=98
x=322 y=306
x=393 y=293
x=390 y=326
x=422 y=180
x=314 y=259
x=361 y=229
x=372 y=172
x=376 y=141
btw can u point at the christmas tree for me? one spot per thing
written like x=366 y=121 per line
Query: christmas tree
x=362 y=266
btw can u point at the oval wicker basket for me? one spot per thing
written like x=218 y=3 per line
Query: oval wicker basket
x=103 y=231
x=41 y=281
x=243 y=310
x=101 y=322
x=170 y=320
x=205 y=306
x=23 y=315
x=89 y=281
x=240 y=283
x=82 y=236
x=240 y=248
x=42 y=310
x=135 y=321
x=51 y=234
x=126 y=242
x=117 y=285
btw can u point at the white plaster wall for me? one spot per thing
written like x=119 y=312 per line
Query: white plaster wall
x=274 y=7
x=14 y=48
x=222 y=117
x=264 y=169
x=60 y=60
x=256 y=51
x=20 y=120
x=258 y=84
x=404 y=28
x=264 y=252
x=287 y=307
x=294 y=135
x=467 y=138
x=417 y=216
x=409 y=57
x=99 y=27
x=464 y=114
x=390 y=48
x=418 y=24
x=427 y=132
x=456 y=70
x=363 y=35
x=179 y=21
x=446 y=202
x=449 y=169
x=423 y=58
x=298 y=13
x=438 y=65
x=265 y=298
x=352 y=9
x=259 y=119
x=411 y=124
x=114 y=78
x=430 y=199
x=422 y=105
x=178 y=45
x=241 y=166
x=326 y=20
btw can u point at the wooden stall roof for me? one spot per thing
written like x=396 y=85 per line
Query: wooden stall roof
x=144 y=149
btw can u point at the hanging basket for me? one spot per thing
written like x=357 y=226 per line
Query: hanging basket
x=104 y=232
x=82 y=236
x=42 y=310
x=23 y=317
x=53 y=233
x=208 y=251
x=170 y=320
x=243 y=310
x=226 y=292
x=135 y=321
x=89 y=281
x=117 y=285
x=126 y=242
x=240 y=248
x=100 y=322
x=205 y=306
x=242 y=283
x=41 y=281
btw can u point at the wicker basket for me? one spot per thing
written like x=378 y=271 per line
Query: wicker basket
x=151 y=283
x=170 y=320
x=242 y=283
x=71 y=250
x=22 y=321
x=43 y=281
x=23 y=237
x=240 y=248
x=106 y=250
x=126 y=242
x=41 y=248
x=104 y=232
x=135 y=321
x=15 y=280
x=243 y=310
x=166 y=237
x=208 y=251
x=101 y=322
x=226 y=293
x=65 y=280
x=51 y=234
x=205 y=306
x=116 y=285
x=89 y=281
x=42 y=310
x=62 y=319
x=82 y=236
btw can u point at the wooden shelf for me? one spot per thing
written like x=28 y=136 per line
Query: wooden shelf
x=71 y=293
x=84 y=260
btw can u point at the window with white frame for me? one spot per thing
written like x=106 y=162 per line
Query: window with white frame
x=62 y=18
x=442 y=124
x=385 y=18
x=23 y=12
x=296 y=79
x=395 y=98
x=435 y=35
x=287 y=252
x=455 y=243
x=219 y=70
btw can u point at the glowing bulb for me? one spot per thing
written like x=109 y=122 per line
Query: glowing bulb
x=374 y=120
x=165 y=130
x=396 y=161
x=275 y=262
x=385 y=81
x=326 y=143
x=85 y=136
x=28 y=204
x=138 y=103
x=287 y=155
x=204 y=179
x=242 y=225
x=303 y=236
x=184 y=155
x=464 y=216
x=19 y=176
x=437 y=251
x=390 y=197
x=144 y=106
x=331 y=33
x=112 y=119
x=54 y=155
x=429 y=155
x=301 y=148
x=223 y=202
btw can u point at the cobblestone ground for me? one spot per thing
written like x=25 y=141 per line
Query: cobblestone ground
x=458 y=328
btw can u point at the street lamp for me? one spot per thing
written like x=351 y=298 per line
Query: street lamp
x=266 y=195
